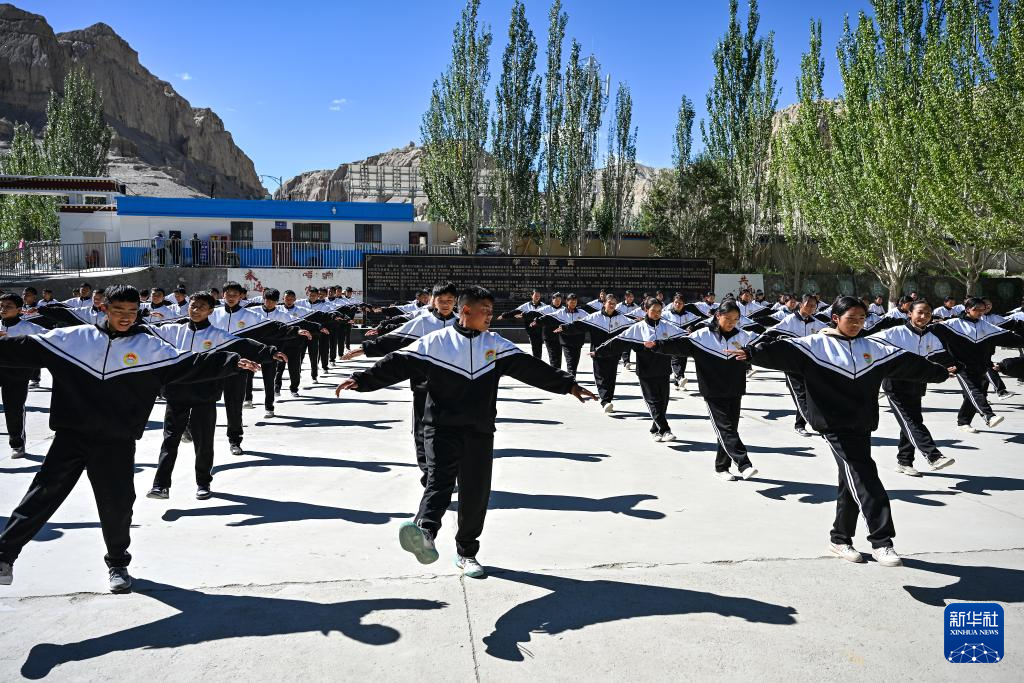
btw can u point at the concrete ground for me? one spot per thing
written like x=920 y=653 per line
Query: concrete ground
x=611 y=557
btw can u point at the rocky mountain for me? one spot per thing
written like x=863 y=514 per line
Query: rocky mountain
x=159 y=136
x=394 y=177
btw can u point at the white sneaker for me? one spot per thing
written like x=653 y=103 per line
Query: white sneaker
x=656 y=437
x=1004 y=395
x=120 y=580
x=681 y=383
x=470 y=567
x=609 y=408
x=907 y=470
x=887 y=557
x=269 y=414
x=994 y=421
x=940 y=462
x=668 y=436
x=17 y=453
x=847 y=552
x=967 y=428
x=749 y=473
x=6 y=573
x=247 y=405
x=295 y=394
x=417 y=541
x=277 y=394
x=725 y=476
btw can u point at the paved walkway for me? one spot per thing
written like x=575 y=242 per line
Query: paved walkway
x=612 y=557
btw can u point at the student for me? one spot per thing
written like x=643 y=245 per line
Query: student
x=317 y=346
x=462 y=365
x=270 y=369
x=682 y=318
x=82 y=297
x=195 y=405
x=244 y=322
x=972 y=342
x=843 y=373
x=595 y=305
x=180 y=301
x=528 y=313
x=160 y=310
x=747 y=306
x=444 y=296
x=14 y=381
x=628 y=307
x=945 y=311
x=878 y=306
x=551 y=342
x=802 y=323
x=105 y=381
x=904 y=396
x=63 y=315
x=30 y=312
x=602 y=326
x=572 y=338
x=707 y=305
x=722 y=382
x=305 y=320
x=652 y=369
x=788 y=306
x=47 y=299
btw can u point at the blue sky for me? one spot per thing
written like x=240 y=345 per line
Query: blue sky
x=308 y=85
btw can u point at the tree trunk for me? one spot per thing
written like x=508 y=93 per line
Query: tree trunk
x=894 y=281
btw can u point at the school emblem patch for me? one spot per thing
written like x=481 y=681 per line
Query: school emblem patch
x=867 y=358
x=207 y=345
x=490 y=355
x=130 y=359
x=241 y=324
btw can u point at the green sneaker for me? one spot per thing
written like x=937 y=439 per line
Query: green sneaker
x=417 y=541
x=470 y=567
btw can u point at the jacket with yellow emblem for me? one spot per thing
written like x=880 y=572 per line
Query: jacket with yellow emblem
x=104 y=382
x=462 y=368
x=648 y=363
x=719 y=375
x=842 y=375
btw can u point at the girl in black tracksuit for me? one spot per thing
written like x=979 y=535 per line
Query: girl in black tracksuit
x=529 y=312
x=570 y=338
x=551 y=342
x=681 y=315
x=602 y=326
x=972 y=342
x=842 y=375
x=722 y=381
x=652 y=369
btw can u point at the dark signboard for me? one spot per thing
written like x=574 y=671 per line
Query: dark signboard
x=389 y=277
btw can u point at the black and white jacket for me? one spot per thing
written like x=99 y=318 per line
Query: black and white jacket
x=649 y=365
x=105 y=383
x=418 y=326
x=682 y=318
x=601 y=326
x=973 y=342
x=63 y=316
x=922 y=342
x=530 y=312
x=842 y=375
x=564 y=318
x=796 y=325
x=719 y=375
x=19 y=327
x=462 y=369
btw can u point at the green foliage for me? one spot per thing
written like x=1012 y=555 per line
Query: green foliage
x=619 y=176
x=76 y=139
x=454 y=131
x=28 y=217
x=553 y=106
x=516 y=134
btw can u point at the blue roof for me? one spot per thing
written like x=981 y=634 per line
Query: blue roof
x=263 y=209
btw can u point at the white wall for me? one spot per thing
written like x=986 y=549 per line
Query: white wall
x=258 y=279
x=72 y=225
x=146 y=227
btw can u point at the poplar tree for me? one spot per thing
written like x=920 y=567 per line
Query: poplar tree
x=76 y=139
x=454 y=131
x=553 y=105
x=29 y=217
x=618 y=178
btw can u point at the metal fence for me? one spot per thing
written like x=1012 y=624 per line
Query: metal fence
x=45 y=258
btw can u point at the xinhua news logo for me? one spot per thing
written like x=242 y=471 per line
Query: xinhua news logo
x=974 y=633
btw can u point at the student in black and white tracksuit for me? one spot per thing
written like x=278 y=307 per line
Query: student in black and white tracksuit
x=602 y=326
x=972 y=342
x=629 y=308
x=14 y=382
x=244 y=322
x=572 y=338
x=270 y=369
x=652 y=369
x=443 y=315
x=678 y=315
x=842 y=374
x=799 y=324
x=596 y=305
x=304 y=319
x=528 y=313
x=722 y=381
x=462 y=365
x=105 y=382
x=916 y=336
x=195 y=406
x=551 y=342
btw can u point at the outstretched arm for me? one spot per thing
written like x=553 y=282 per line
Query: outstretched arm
x=537 y=373
x=391 y=369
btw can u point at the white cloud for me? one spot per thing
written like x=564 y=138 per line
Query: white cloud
x=337 y=103
x=185 y=76
x=340 y=100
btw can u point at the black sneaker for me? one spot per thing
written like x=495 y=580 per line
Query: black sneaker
x=203 y=493
x=159 y=492
x=120 y=579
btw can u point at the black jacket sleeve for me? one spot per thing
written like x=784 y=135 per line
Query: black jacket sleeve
x=391 y=369
x=22 y=352
x=251 y=349
x=536 y=373
x=1012 y=367
x=674 y=347
x=612 y=347
x=61 y=315
x=202 y=367
x=916 y=368
x=376 y=347
x=271 y=332
x=775 y=354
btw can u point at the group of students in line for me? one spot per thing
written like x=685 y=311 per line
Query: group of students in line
x=835 y=367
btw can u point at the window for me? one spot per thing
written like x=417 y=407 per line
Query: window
x=311 y=232
x=95 y=200
x=241 y=231
x=368 y=232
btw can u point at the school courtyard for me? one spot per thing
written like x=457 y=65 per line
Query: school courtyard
x=611 y=557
